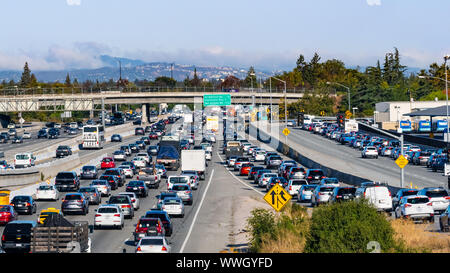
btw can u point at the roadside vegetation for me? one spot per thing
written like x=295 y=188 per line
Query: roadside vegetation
x=347 y=227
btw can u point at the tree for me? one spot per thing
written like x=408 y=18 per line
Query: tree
x=34 y=81
x=68 y=83
x=196 y=81
x=25 y=80
x=250 y=80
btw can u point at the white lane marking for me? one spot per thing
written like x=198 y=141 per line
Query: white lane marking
x=239 y=179
x=196 y=213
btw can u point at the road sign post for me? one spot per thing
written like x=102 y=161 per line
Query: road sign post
x=277 y=197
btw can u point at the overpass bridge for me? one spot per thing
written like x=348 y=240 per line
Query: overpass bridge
x=30 y=100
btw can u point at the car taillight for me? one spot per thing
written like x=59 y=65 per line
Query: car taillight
x=309 y=177
x=390 y=194
x=290 y=188
x=407 y=205
x=98 y=215
x=138 y=249
x=137 y=177
x=74 y=181
x=28 y=204
x=430 y=204
x=163 y=248
x=338 y=196
x=116 y=215
x=188 y=191
x=447 y=197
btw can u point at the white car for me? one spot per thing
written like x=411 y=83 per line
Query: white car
x=134 y=199
x=377 y=195
x=47 y=192
x=145 y=156
x=260 y=156
x=109 y=216
x=369 y=151
x=119 y=156
x=207 y=146
x=26 y=135
x=264 y=179
x=178 y=179
x=208 y=155
x=332 y=182
x=127 y=170
x=294 y=185
x=415 y=207
x=153 y=244
x=245 y=146
x=193 y=179
x=438 y=197
x=102 y=186
x=140 y=162
x=24 y=160
x=173 y=206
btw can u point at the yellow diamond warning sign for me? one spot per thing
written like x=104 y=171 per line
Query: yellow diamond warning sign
x=286 y=131
x=277 y=197
x=401 y=161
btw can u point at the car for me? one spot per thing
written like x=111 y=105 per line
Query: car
x=153 y=244
x=400 y=194
x=369 y=152
x=24 y=204
x=12 y=132
x=113 y=181
x=139 y=161
x=239 y=161
x=415 y=207
x=139 y=131
x=153 y=135
x=75 y=202
x=162 y=195
x=126 y=149
x=134 y=199
x=194 y=178
x=141 y=144
x=342 y=194
x=260 y=156
x=148 y=227
x=11 y=126
x=321 y=195
x=92 y=194
x=377 y=194
x=439 y=198
x=296 y=173
x=253 y=171
x=119 y=173
x=177 y=179
x=276 y=180
x=146 y=156
x=67 y=181
x=184 y=192
x=133 y=148
x=47 y=192
x=245 y=169
x=109 y=216
x=264 y=179
x=163 y=216
x=173 y=206
x=63 y=150
x=128 y=171
x=89 y=172
x=107 y=162
x=116 y=138
x=53 y=133
x=119 y=155
x=45 y=213
x=131 y=165
x=146 y=140
x=24 y=160
x=102 y=186
x=161 y=170
x=314 y=176
x=444 y=220
x=153 y=150
x=16 y=236
x=294 y=185
x=138 y=187
x=274 y=161
x=124 y=202
x=259 y=173
x=72 y=131
x=17 y=139
x=331 y=181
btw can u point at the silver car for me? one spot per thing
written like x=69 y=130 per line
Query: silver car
x=184 y=192
x=134 y=199
x=102 y=186
x=92 y=194
x=124 y=202
x=321 y=195
x=173 y=206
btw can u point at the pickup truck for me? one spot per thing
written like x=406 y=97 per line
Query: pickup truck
x=151 y=180
x=169 y=157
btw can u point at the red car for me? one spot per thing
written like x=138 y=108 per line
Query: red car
x=107 y=162
x=7 y=214
x=245 y=169
x=153 y=136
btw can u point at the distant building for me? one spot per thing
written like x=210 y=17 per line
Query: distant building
x=393 y=111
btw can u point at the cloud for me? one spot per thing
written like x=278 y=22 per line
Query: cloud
x=373 y=2
x=73 y=2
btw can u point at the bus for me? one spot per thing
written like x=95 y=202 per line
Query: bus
x=93 y=137
x=405 y=125
x=439 y=125
x=424 y=126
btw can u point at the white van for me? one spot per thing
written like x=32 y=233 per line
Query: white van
x=24 y=160
x=73 y=125
x=377 y=195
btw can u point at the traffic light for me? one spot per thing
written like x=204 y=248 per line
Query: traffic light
x=340 y=118
x=300 y=119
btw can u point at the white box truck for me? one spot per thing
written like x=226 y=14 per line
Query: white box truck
x=194 y=160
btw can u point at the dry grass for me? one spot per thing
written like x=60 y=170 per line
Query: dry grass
x=418 y=239
x=288 y=242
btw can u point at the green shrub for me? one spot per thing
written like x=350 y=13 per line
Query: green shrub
x=348 y=227
x=260 y=224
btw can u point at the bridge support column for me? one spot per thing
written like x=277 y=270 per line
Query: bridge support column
x=144 y=118
x=91 y=114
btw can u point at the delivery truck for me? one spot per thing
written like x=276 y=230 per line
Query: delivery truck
x=194 y=160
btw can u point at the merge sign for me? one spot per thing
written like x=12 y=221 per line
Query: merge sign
x=217 y=100
x=286 y=131
x=401 y=161
x=277 y=197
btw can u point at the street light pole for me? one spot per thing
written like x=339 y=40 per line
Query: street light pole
x=285 y=106
x=348 y=92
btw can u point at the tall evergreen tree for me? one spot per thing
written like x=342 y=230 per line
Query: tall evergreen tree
x=68 y=83
x=251 y=78
x=34 y=81
x=25 y=80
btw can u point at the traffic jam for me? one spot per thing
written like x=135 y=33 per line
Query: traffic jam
x=164 y=163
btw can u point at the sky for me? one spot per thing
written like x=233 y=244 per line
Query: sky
x=266 y=34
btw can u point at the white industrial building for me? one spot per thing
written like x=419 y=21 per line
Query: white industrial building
x=393 y=111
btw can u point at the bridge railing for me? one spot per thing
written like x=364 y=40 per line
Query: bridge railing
x=36 y=91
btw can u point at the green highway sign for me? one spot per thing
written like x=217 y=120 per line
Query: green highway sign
x=217 y=100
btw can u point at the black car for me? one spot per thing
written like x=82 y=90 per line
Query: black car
x=89 y=172
x=112 y=180
x=137 y=122
x=152 y=150
x=16 y=236
x=148 y=129
x=53 y=133
x=116 y=138
x=116 y=172
x=134 y=148
x=17 y=139
x=137 y=187
x=314 y=176
x=131 y=164
x=67 y=181
x=343 y=194
x=141 y=144
x=24 y=204
x=42 y=134
x=139 y=131
x=146 y=140
x=164 y=217
x=62 y=151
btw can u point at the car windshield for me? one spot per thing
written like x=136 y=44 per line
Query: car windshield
x=111 y=172
x=21 y=199
x=107 y=210
x=87 y=190
x=436 y=193
x=316 y=173
x=45 y=188
x=152 y=242
x=107 y=160
x=180 y=187
x=22 y=157
x=135 y=183
x=171 y=201
x=326 y=189
x=418 y=200
x=346 y=191
x=409 y=192
x=72 y=197
x=88 y=168
x=66 y=175
x=331 y=181
x=299 y=182
x=148 y=223
x=178 y=180
x=118 y=200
